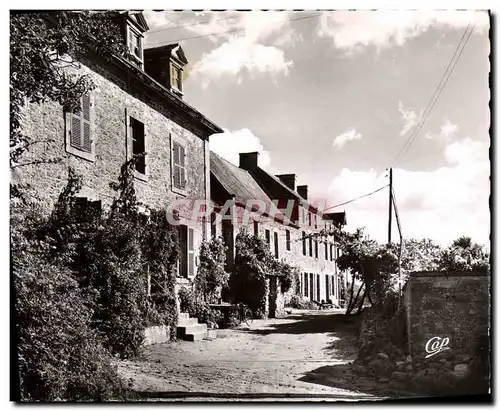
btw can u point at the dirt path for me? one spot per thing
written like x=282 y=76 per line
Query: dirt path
x=267 y=360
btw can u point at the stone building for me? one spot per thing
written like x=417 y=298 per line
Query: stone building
x=135 y=107
x=286 y=221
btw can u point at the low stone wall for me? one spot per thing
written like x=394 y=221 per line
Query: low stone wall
x=157 y=334
x=448 y=311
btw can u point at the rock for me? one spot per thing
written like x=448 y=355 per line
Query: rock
x=466 y=358
x=398 y=375
x=448 y=365
x=430 y=372
x=461 y=370
x=409 y=368
x=442 y=360
x=434 y=365
x=400 y=364
x=382 y=355
x=383 y=380
x=359 y=369
x=472 y=312
x=368 y=358
x=408 y=359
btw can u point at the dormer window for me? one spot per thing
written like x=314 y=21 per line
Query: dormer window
x=176 y=75
x=135 y=48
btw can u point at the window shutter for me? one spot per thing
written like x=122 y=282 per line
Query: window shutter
x=190 y=252
x=76 y=131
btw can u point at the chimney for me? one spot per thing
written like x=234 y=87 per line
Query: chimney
x=249 y=161
x=302 y=190
x=288 y=180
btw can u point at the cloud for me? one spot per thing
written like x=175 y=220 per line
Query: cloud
x=251 y=42
x=239 y=55
x=346 y=136
x=230 y=143
x=354 y=30
x=448 y=129
x=410 y=119
x=442 y=204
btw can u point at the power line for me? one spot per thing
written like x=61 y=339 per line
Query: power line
x=223 y=32
x=437 y=93
x=357 y=198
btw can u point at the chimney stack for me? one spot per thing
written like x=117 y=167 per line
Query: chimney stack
x=302 y=190
x=288 y=180
x=249 y=161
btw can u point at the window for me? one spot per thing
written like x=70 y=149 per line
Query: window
x=327 y=287
x=326 y=251
x=135 y=46
x=276 y=246
x=213 y=230
x=304 y=243
x=288 y=240
x=331 y=252
x=318 y=288
x=310 y=218
x=306 y=284
x=310 y=247
x=268 y=237
x=179 y=165
x=138 y=143
x=186 y=240
x=333 y=285
x=311 y=286
x=176 y=77
x=79 y=131
x=315 y=248
x=256 y=228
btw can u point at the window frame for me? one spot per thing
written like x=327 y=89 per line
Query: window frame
x=131 y=113
x=288 y=237
x=177 y=140
x=178 y=69
x=276 y=244
x=139 y=60
x=68 y=118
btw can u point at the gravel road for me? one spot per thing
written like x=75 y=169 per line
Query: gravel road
x=268 y=361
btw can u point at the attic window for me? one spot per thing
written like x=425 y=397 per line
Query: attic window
x=135 y=46
x=176 y=75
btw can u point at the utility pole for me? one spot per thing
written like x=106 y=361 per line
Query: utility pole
x=390 y=204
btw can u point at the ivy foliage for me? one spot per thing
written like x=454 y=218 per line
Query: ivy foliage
x=211 y=277
x=253 y=263
x=81 y=281
x=42 y=48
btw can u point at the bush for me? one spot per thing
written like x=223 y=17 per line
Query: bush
x=60 y=358
x=301 y=303
x=212 y=276
x=198 y=308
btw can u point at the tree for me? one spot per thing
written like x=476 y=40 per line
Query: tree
x=371 y=264
x=464 y=255
x=42 y=48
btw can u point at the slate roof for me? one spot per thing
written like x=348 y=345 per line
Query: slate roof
x=235 y=180
x=338 y=218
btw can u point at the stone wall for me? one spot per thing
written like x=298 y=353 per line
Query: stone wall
x=447 y=305
x=112 y=101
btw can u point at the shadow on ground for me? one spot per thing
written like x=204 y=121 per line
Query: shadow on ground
x=342 y=376
x=310 y=324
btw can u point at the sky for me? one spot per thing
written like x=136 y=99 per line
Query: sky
x=336 y=96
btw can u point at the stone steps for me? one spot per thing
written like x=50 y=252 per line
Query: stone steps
x=189 y=329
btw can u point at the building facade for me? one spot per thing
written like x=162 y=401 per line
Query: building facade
x=269 y=206
x=136 y=107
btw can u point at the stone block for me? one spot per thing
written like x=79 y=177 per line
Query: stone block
x=461 y=370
